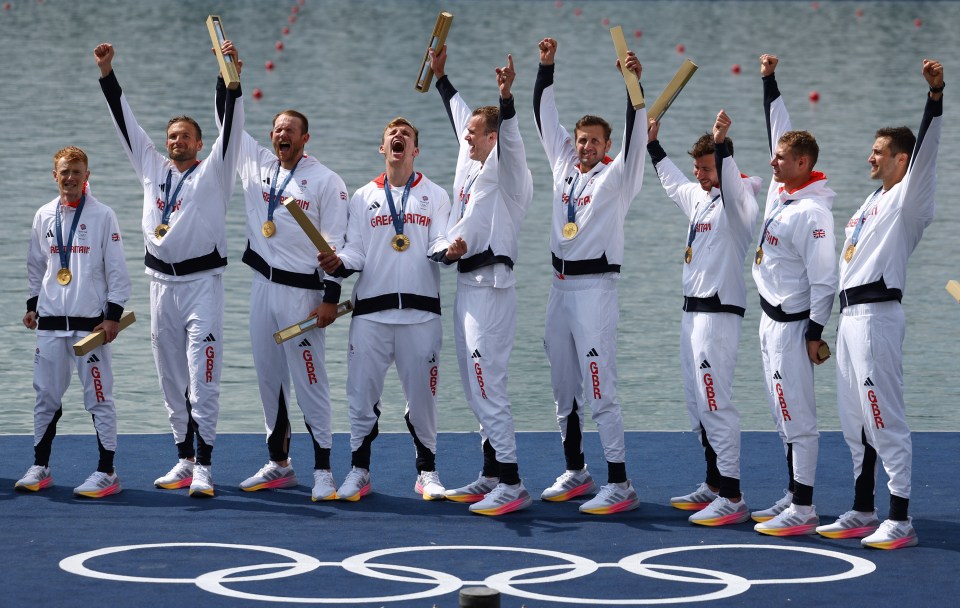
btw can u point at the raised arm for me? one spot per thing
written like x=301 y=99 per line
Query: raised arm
x=457 y=109
x=556 y=141
x=739 y=199
x=681 y=190
x=919 y=185
x=778 y=120
x=515 y=179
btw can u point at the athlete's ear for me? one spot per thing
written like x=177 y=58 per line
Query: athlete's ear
x=416 y=152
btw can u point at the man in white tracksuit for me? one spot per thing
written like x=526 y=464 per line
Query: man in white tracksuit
x=795 y=269
x=880 y=237
x=394 y=224
x=288 y=287
x=721 y=209
x=184 y=232
x=494 y=188
x=78 y=284
x=591 y=196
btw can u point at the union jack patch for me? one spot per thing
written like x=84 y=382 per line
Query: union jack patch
x=115 y=237
x=343 y=196
x=819 y=233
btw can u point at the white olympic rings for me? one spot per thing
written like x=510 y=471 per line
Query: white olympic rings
x=442 y=583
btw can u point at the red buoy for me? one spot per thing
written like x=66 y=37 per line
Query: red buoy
x=578 y=11
x=637 y=33
x=858 y=12
x=605 y=22
x=735 y=68
x=285 y=30
x=279 y=45
x=681 y=48
x=257 y=93
x=917 y=22
x=268 y=65
x=814 y=97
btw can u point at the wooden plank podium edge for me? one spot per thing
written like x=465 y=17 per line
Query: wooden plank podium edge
x=95 y=339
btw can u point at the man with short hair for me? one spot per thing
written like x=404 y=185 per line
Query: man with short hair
x=591 y=196
x=394 y=224
x=289 y=287
x=78 y=284
x=184 y=232
x=880 y=237
x=795 y=269
x=494 y=188
x=721 y=209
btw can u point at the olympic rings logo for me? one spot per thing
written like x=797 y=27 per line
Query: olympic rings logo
x=512 y=582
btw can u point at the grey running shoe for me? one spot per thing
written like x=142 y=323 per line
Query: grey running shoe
x=99 y=485
x=570 y=485
x=270 y=477
x=503 y=499
x=612 y=498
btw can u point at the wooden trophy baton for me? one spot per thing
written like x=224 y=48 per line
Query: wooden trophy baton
x=633 y=84
x=228 y=69
x=319 y=242
x=437 y=40
x=307 y=324
x=87 y=344
x=680 y=80
x=954 y=288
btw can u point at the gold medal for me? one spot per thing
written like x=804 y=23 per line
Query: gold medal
x=401 y=242
x=570 y=230
x=688 y=255
x=64 y=276
x=161 y=230
x=848 y=254
x=269 y=229
x=759 y=257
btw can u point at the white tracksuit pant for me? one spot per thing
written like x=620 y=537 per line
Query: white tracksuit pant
x=708 y=357
x=186 y=329
x=870 y=389
x=53 y=365
x=788 y=372
x=274 y=307
x=484 y=327
x=580 y=339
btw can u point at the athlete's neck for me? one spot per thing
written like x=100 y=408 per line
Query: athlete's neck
x=399 y=175
x=183 y=165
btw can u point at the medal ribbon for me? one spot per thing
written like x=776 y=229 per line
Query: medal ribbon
x=466 y=195
x=571 y=199
x=397 y=218
x=856 y=231
x=696 y=220
x=780 y=205
x=168 y=201
x=65 y=251
x=273 y=201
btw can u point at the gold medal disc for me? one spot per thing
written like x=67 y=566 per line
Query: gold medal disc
x=269 y=229
x=688 y=255
x=64 y=276
x=570 y=230
x=848 y=254
x=161 y=230
x=759 y=257
x=401 y=242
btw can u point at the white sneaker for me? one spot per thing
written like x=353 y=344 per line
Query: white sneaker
x=99 y=485
x=612 y=498
x=503 y=499
x=570 y=485
x=202 y=484
x=355 y=485
x=323 y=486
x=35 y=479
x=473 y=492
x=180 y=476
x=790 y=522
x=428 y=484
x=852 y=524
x=892 y=534
x=696 y=500
x=721 y=512
x=270 y=477
x=777 y=508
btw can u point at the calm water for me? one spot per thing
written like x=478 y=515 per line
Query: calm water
x=350 y=66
